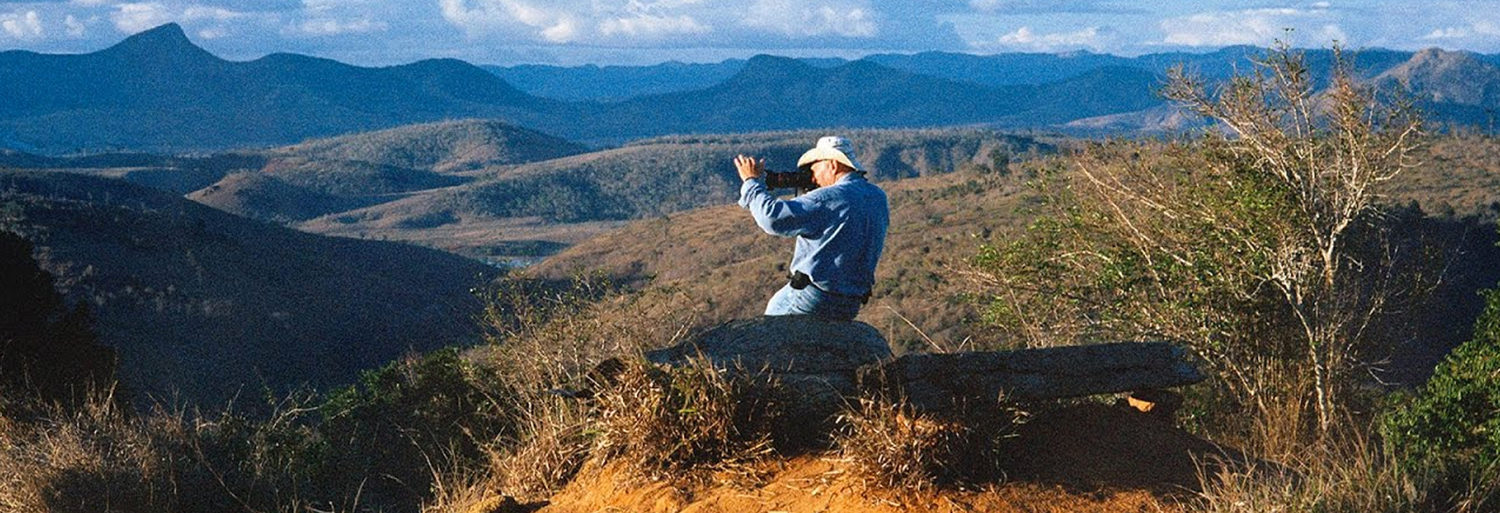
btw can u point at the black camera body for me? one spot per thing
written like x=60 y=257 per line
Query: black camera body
x=801 y=180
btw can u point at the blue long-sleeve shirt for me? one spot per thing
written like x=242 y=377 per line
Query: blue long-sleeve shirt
x=840 y=229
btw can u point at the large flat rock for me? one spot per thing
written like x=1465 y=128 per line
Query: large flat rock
x=936 y=381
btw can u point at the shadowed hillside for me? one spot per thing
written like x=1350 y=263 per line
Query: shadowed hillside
x=197 y=300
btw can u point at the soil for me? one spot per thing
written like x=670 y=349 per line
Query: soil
x=1078 y=458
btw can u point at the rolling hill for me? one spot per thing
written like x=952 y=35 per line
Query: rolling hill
x=443 y=147
x=325 y=176
x=1452 y=86
x=776 y=93
x=210 y=305
x=614 y=83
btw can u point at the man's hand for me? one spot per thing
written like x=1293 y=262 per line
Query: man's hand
x=749 y=167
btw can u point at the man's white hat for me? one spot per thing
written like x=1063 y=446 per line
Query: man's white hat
x=831 y=148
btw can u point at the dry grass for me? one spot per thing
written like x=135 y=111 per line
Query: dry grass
x=1350 y=472
x=554 y=447
x=892 y=446
x=89 y=460
x=668 y=422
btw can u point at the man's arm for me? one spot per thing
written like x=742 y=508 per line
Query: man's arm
x=787 y=218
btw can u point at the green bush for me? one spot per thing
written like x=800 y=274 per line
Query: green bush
x=1455 y=417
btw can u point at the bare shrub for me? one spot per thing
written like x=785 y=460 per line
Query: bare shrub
x=80 y=460
x=545 y=341
x=1261 y=245
x=1326 y=155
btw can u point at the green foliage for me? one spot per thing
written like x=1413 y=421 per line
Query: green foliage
x=388 y=436
x=1455 y=416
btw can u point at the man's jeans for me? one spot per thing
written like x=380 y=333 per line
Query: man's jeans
x=811 y=301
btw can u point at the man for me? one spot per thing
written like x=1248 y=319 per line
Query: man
x=840 y=229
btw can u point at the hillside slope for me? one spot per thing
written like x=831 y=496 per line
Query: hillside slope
x=337 y=174
x=548 y=201
x=212 y=305
x=716 y=259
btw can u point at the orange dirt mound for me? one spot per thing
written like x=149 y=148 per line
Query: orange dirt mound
x=1085 y=458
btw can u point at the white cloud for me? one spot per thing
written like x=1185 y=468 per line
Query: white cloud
x=1025 y=38
x=135 y=17
x=551 y=23
x=197 y=12
x=75 y=28
x=801 y=19
x=333 y=27
x=646 y=25
x=211 y=22
x=1476 y=29
x=24 y=26
x=1251 y=27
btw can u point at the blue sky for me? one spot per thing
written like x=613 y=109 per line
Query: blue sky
x=382 y=32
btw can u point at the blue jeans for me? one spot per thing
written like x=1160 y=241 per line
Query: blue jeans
x=811 y=301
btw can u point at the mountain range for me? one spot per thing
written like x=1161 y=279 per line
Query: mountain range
x=157 y=91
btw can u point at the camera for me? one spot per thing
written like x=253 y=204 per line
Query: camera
x=800 y=180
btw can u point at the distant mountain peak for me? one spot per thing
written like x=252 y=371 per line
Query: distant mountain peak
x=167 y=35
x=1445 y=76
x=1440 y=58
x=166 y=42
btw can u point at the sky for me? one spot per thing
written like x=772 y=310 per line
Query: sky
x=635 y=32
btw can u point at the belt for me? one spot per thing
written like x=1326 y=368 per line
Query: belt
x=800 y=280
